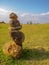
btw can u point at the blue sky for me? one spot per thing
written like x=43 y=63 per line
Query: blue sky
x=32 y=10
x=32 y=6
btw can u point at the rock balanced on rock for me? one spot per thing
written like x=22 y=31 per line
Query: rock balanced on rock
x=15 y=47
x=16 y=35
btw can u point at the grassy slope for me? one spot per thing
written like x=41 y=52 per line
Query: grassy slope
x=35 y=46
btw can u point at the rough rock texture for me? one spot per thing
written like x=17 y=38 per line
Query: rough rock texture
x=12 y=49
x=18 y=37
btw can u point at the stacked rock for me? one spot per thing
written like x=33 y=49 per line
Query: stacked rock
x=15 y=47
x=16 y=35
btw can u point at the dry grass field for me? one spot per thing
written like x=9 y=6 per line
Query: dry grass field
x=35 y=45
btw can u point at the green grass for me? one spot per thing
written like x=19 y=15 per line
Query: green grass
x=35 y=46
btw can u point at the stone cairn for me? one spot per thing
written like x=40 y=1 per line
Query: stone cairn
x=14 y=48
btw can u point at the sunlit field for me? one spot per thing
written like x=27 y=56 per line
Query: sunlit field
x=35 y=45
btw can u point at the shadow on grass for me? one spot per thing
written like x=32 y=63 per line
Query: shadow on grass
x=28 y=54
x=35 y=54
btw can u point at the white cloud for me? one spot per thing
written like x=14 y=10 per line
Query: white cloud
x=24 y=14
x=3 y=11
x=47 y=13
x=4 y=14
x=25 y=17
x=35 y=18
